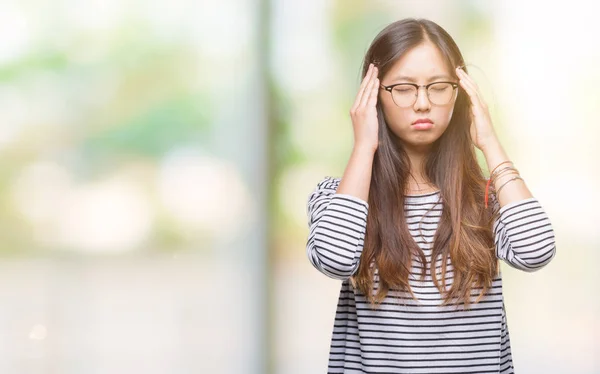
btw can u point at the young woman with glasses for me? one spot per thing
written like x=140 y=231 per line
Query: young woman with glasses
x=408 y=228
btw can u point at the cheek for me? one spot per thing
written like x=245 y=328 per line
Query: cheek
x=443 y=115
x=449 y=115
x=443 y=119
x=394 y=116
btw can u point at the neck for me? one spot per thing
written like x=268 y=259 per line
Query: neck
x=417 y=166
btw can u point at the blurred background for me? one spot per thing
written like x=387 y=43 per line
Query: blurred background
x=156 y=158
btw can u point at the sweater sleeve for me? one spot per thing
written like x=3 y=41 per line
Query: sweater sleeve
x=523 y=234
x=337 y=226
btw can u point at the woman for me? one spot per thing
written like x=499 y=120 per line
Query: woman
x=413 y=192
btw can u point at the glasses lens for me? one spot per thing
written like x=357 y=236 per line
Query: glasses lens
x=440 y=93
x=404 y=95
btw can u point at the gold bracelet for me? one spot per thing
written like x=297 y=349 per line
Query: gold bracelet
x=508 y=172
x=495 y=176
x=502 y=163
x=508 y=181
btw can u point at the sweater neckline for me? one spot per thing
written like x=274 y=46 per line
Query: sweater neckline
x=424 y=194
x=426 y=197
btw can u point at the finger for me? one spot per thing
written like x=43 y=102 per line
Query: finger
x=464 y=77
x=374 y=94
x=478 y=96
x=362 y=87
x=471 y=93
x=468 y=78
x=474 y=87
x=369 y=88
x=471 y=89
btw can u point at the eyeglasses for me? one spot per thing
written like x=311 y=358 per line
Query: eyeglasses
x=405 y=94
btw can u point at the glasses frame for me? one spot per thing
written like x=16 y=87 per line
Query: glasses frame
x=417 y=86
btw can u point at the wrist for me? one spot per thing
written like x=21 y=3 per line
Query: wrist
x=492 y=145
x=364 y=148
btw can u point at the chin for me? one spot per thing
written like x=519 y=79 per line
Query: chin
x=420 y=139
x=409 y=136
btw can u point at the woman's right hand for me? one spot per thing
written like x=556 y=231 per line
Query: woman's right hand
x=364 y=113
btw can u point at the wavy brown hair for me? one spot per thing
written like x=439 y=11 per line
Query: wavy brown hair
x=464 y=232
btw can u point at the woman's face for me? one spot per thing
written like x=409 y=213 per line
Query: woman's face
x=422 y=64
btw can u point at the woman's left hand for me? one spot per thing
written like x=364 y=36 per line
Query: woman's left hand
x=482 y=131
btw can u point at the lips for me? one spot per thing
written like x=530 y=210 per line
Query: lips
x=422 y=120
x=422 y=124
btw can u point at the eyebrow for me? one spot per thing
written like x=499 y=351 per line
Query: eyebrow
x=411 y=79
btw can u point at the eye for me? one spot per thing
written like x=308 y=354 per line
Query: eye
x=440 y=87
x=406 y=88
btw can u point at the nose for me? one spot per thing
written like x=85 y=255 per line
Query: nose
x=422 y=103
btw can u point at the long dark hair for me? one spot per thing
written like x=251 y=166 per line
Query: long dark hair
x=464 y=232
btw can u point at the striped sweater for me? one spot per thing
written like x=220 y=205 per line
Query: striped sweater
x=408 y=336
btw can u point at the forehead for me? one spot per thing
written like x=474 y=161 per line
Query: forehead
x=421 y=63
